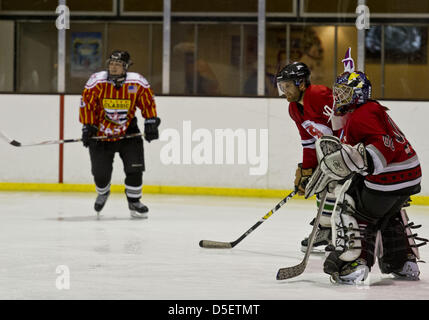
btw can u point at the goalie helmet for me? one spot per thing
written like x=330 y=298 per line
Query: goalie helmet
x=351 y=89
x=296 y=72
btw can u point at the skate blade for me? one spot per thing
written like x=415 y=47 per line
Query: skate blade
x=136 y=215
x=355 y=278
x=410 y=272
x=314 y=250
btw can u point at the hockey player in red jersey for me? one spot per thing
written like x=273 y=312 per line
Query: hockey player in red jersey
x=310 y=108
x=108 y=108
x=376 y=170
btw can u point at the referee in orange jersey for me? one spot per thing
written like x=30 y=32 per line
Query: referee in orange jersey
x=108 y=108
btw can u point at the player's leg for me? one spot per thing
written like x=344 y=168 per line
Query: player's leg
x=101 y=154
x=400 y=250
x=324 y=233
x=373 y=211
x=354 y=238
x=398 y=254
x=132 y=155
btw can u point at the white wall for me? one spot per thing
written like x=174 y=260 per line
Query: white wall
x=32 y=117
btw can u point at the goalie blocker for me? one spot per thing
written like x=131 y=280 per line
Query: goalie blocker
x=365 y=224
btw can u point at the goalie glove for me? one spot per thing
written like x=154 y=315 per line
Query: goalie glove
x=337 y=161
x=301 y=178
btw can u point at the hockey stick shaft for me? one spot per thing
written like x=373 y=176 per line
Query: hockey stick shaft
x=292 y=272
x=16 y=143
x=229 y=245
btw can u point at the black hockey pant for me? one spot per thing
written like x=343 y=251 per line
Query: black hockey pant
x=132 y=154
x=383 y=212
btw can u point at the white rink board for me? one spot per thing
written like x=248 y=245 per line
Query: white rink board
x=35 y=117
x=28 y=118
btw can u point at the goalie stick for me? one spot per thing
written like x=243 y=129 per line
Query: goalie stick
x=292 y=272
x=16 y=143
x=230 y=245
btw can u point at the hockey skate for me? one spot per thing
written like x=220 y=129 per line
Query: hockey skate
x=100 y=202
x=352 y=273
x=322 y=240
x=138 y=210
x=410 y=271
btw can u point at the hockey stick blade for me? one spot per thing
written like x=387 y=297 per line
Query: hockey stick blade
x=215 y=244
x=10 y=141
x=292 y=272
x=15 y=143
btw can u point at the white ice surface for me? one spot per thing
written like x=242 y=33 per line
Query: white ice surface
x=159 y=258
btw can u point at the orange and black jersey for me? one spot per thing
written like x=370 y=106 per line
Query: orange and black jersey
x=111 y=109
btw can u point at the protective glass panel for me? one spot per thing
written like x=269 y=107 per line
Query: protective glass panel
x=398 y=6
x=198 y=69
x=6 y=56
x=214 y=6
x=143 y=6
x=37 y=57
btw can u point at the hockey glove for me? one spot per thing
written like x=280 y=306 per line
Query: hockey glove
x=88 y=131
x=301 y=178
x=151 y=129
x=133 y=127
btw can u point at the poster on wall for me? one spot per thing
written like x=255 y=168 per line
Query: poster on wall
x=86 y=55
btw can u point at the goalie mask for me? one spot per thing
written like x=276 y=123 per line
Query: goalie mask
x=350 y=90
x=297 y=72
x=122 y=57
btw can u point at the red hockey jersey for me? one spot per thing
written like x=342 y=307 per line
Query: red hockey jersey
x=111 y=109
x=312 y=120
x=396 y=165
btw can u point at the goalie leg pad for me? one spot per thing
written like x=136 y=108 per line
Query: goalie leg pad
x=325 y=219
x=346 y=232
x=352 y=237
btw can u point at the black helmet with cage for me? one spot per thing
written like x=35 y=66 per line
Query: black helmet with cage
x=122 y=57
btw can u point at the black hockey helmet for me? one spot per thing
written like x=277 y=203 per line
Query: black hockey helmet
x=120 y=56
x=295 y=71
